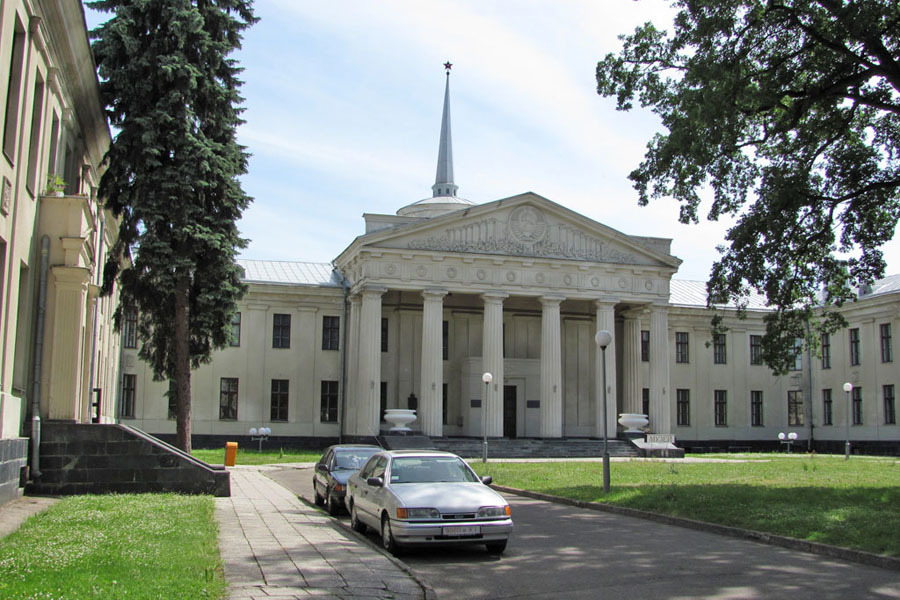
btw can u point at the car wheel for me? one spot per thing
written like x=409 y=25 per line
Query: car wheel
x=331 y=505
x=387 y=537
x=355 y=523
x=317 y=498
x=496 y=547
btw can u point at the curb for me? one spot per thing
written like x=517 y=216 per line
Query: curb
x=858 y=556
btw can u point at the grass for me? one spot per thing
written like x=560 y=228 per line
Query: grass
x=854 y=504
x=251 y=456
x=138 y=546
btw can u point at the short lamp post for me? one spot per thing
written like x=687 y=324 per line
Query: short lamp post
x=261 y=434
x=848 y=387
x=603 y=339
x=487 y=378
x=788 y=440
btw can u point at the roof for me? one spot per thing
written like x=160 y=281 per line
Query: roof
x=889 y=284
x=693 y=293
x=290 y=273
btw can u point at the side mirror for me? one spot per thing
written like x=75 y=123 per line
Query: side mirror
x=375 y=481
x=487 y=480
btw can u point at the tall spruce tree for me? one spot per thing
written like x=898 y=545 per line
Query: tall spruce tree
x=171 y=92
x=789 y=110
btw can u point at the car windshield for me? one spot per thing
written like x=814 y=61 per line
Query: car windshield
x=353 y=459
x=430 y=469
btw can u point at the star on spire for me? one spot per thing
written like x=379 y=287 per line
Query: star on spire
x=448 y=65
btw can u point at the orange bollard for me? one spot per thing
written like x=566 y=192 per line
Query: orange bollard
x=230 y=453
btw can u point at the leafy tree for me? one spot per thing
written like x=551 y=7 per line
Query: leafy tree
x=789 y=111
x=172 y=176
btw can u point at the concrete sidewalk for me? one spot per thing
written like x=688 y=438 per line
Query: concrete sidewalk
x=274 y=545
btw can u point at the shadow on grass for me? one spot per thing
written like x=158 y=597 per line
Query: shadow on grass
x=864 y=518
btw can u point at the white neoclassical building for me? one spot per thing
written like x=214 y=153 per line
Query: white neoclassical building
x=416 y=309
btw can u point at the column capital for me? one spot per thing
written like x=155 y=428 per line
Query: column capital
x=552 y=299
x=494 y=297
x=434 y=293
x=606 y=302
x=636 y=313
x=372 y=290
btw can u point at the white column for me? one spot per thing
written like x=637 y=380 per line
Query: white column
x=431 y=384
x=606 y=319
x=551 y=368
x=631 y=363
x=368 y=385
x=660 y=408
x=492 y=360
x=350 y=410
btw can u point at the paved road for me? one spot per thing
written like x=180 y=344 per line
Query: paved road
x=560 y=551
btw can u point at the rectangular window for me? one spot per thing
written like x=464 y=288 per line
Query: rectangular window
x=235 y=330
x=719 y=355
x=890 y=412
x=826 y=351
x=384 y=334
x=444 y=404
x=798 y=355
x=13 y=92
x=857 y=406
x=331 y=333
x=827 y=408
x=795 y=408
x=720 y=407
x=645 y=345
x=279 y=408
x=682 y=347
x=645 y=401
x=445 y=340
x=228 y=399
x=887 y=348
x=683 y=404
x=129 y=333
x=328 y=412
x=129 y=392
x=383 y=400
x=854 y=347
x=756 y=350
x=37 y=116
x=281 y=331
x=756 y=408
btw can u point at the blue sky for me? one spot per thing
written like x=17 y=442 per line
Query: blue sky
x=344 y=99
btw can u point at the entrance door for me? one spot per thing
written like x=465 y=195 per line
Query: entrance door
x=509 y=411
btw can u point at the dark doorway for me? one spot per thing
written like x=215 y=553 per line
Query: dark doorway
x=509 y=411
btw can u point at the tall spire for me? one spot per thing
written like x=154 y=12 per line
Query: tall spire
x=443 y=180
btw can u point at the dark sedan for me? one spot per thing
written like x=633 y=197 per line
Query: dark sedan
x=332 y=471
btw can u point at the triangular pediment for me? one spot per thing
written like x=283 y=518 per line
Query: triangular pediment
x=527 y=225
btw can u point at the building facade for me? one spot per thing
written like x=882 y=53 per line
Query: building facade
x=422 y=304
x=60 y=355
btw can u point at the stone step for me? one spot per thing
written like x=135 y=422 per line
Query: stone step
x=534 y=448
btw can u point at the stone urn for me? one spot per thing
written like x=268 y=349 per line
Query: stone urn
x=400 y=418
x=633 y=422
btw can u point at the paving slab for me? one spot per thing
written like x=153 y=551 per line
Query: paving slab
x=274 y=545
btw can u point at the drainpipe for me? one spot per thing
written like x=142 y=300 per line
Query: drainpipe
x=345 y=285
x=38 y=357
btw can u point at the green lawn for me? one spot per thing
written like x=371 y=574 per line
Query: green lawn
x=855 y=503
x=252 y=456
x=142 y=546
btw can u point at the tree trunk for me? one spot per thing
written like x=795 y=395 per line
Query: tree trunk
x=182 y=364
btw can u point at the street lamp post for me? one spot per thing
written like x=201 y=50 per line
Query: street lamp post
x=848 y=387
x=604 y=339
x=486 y=378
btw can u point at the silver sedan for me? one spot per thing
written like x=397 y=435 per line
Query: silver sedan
x=415 y=497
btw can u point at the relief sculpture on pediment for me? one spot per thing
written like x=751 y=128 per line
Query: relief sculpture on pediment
x=526 y=232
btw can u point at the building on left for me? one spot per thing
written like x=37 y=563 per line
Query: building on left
x=60 y=354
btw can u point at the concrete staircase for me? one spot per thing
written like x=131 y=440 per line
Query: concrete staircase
x=535 y=448
x=100 y=459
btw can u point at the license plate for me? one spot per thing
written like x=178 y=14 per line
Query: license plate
x=459 y=531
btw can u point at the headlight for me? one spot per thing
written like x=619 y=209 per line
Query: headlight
x=494 y=511
x=418 y=513
x=338 y=487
